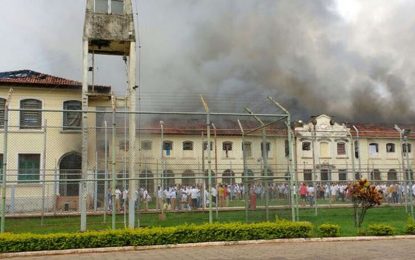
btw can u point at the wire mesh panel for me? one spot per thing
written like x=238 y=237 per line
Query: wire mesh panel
x=186 y=167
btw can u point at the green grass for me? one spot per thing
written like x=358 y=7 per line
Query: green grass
x=394 y=216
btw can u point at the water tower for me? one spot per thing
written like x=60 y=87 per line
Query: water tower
x=109 y=30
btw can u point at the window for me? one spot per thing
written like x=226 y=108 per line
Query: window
x=227 y=146
x=286 y=148
x=392 y=175
x=404 y=148
x=146 y=145
x=267 y=147
x=324 y=174
x=356 y=149
x=247 y=149
x=324 y=149
x=72 y=120
x=373 y=149
x=30 y=119
x=341 y=149
x=308 y=175
x=29 y=167
x=205 y=145
x=342 y=174
x=2 y=104
x=390 y=148
x=306 y=146
x=109 y=6
x=375 y=175
x=168 y=147
x=187 y=146
x=124 y=145
x=409 y=175
x=117 y=6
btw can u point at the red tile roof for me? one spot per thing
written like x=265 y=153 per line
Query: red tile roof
x=379 y=130
x=33 y=78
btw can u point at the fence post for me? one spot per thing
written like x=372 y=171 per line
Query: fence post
x=4 y=179
x=106 y=172
x=44 y=171
x=113 y=163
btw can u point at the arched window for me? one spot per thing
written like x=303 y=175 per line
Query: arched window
x=392 y=175
x=69 y=171
x=30 y=119
x=71 y=119
x=228 y=177
x=212 y=173
x=2 y=104
x=147 y=181
x=375 y=175
x=188 y=178
x=168 y=180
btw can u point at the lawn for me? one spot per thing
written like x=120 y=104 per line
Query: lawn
x=395 y=216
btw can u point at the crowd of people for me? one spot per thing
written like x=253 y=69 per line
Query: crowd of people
x=191 y=197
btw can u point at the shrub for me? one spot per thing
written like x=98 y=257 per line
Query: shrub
x=380 y=230
x=410 y=226
x=155 y=236
x=329 y=230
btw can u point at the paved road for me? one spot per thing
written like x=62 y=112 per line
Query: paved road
x=377 y=249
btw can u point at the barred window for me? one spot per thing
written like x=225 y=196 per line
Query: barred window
x=29 y=167
x=30 y=119
x=267 y=148
x=187 y=146
x=406 y=147
x=2 y=104
x=390 y=148
x=72 y=120
x=146 y=145
x=341 y=149
x=307 y=175
x=306 y=146
x=205 y=145
x=247 y=148
x=342 y=174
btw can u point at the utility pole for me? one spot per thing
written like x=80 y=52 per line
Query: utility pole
x=205 y=105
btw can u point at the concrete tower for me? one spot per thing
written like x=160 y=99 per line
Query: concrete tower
x=109 y=30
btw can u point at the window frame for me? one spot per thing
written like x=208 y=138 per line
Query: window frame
x=26 y=113
x=78 y=121
x=204 y=145
x=404 y=148
x=33 y=176
x=2 y=107
x=341 y=148
x=390 y=148
x=306 y=144
x=187 y=146
x=377 y=149
x=146 y=145
x=167 y=143
x=248 y=148
x=267 y=148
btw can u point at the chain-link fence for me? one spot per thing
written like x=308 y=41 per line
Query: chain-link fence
x=186 y=167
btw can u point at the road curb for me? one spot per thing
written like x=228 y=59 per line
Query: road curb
x=204 y=244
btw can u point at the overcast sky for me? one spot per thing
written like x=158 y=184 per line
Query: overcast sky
x=348 y=58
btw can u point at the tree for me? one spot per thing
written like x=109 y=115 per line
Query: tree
x=364 y=196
